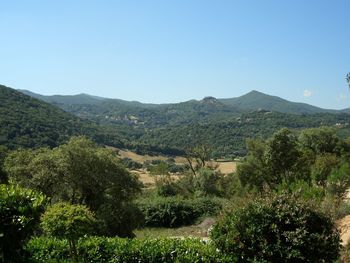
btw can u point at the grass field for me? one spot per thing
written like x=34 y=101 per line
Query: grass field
x=149 y=180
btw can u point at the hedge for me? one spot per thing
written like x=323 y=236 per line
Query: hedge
x=113 y=250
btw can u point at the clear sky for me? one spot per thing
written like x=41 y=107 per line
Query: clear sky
x=171 y=51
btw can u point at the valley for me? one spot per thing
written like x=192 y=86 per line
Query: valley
x=171 y=129
x=175 y=171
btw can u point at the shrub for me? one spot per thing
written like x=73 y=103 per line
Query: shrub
x=71 y=222
x=207 y=182
x=20 y=210
x=166 y=186
x=113 y=250
x=277 y=229
x=175 y=212
x=303 y=189
x=339 y=181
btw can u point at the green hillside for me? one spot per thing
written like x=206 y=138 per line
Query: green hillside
x=29 y=122
x=224 y=124
x=115 y=111
x=228 y=138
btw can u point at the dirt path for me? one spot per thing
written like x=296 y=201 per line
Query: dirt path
x=343 y=226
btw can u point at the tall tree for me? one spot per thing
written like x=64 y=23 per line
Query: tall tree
x=319 y=141
x=269 y=164
x=82 y=173
x=197 y=157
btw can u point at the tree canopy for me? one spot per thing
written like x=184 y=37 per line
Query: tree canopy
x=80 y=172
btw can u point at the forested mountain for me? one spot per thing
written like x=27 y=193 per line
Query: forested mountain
x=29 y=122
x=223 y=124
x=210 y=109
x=228 y=138
x=115 y=111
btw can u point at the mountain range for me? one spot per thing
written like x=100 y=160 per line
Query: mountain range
x=35 y=120
x=253 y=100
x=207 y=110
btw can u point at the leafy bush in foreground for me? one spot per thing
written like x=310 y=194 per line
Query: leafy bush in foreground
x=277 y=229
x=20 y=210
x=113 y=250
x=64 y=220
x=175 y=212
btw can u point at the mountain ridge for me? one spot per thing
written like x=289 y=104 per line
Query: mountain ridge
x=167 y=128
x=253 y=100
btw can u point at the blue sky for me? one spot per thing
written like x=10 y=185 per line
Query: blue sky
x=171 y=51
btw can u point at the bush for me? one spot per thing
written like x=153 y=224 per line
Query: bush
x=175 y=212
x=207 y=182
x=64 y=220
x=113 y=250
x=277 y=229
x=166 y=186
x=20 y=210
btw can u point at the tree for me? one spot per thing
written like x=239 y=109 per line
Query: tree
x=80 y=172
x=338 y=182
x=207 y=183
x=322 y=168
x=269 y=164
x=252 y=172
x=279 y=228
x=319 y=141
x=71 y=222
x=197 y=157
x=20 y=210
x=282 y=156
x=348 y=79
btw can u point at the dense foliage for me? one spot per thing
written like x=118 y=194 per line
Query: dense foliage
x=113 y=250
x=3 y=154
x=293 y=166
x=227 y=138
x=172 y=128
x=286 y=157
x=277 y=229
x=175 y=211
x=80 y=172
x=28 y=122
x=66 y=221
x=20 y=210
